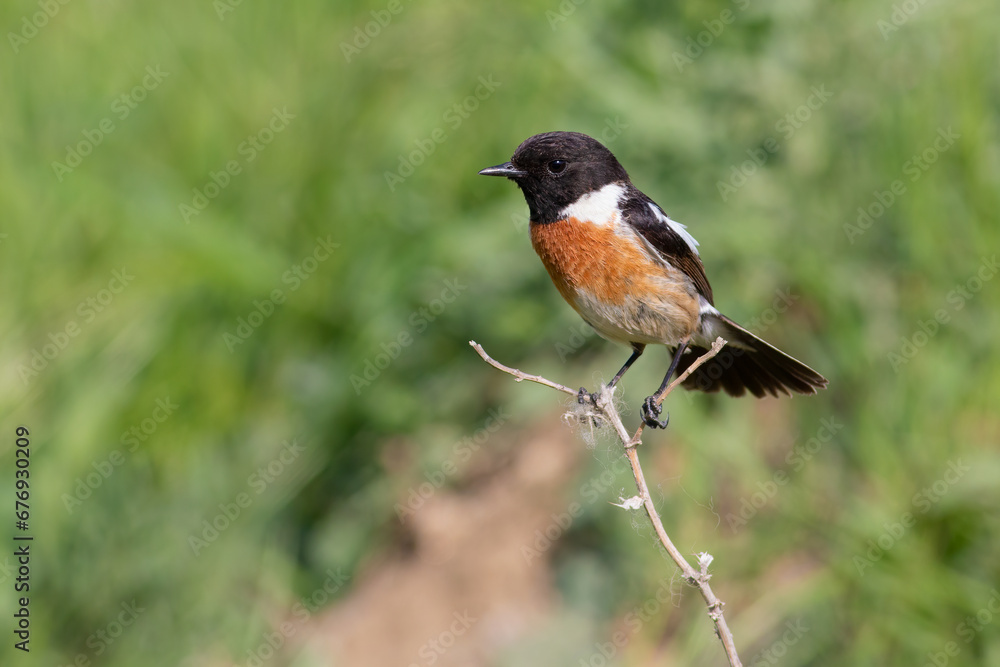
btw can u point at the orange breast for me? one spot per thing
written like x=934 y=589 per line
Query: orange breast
x=580 y=255
x=614 y=282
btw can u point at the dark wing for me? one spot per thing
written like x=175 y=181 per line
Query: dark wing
x=652 y=223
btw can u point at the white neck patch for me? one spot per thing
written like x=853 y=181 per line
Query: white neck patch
x=598 y=208
x=676 y=226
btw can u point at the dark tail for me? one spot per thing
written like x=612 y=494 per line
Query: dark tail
x=747 y=363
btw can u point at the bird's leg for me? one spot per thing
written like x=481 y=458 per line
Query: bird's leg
x=651 y=407
x=585 y=396
x=637 y=350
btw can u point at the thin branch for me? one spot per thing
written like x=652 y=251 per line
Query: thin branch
x=605 y=409
x=519 y=375
x=693 y=577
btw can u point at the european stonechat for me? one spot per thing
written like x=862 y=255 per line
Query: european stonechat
x=635 y=275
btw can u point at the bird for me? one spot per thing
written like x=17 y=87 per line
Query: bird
x=635 y=275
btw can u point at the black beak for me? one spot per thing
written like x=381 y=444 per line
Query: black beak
x=506 y=169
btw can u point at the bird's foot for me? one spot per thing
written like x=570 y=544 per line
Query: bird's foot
x=650 y=411
x=590 y=410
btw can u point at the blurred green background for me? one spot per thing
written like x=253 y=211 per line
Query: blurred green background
x=245 y=246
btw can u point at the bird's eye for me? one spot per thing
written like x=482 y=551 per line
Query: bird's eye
x=557 y=166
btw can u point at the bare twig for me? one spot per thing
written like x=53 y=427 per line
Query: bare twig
x=519 y=375
x=606 y=409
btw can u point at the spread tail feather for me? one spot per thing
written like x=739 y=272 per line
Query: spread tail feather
x=746 y=363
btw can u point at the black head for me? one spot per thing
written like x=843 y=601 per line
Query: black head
x=555 y=169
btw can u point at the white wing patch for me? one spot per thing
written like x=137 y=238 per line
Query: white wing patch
x=706 y=307
x=598 y=208
x=677 y=227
